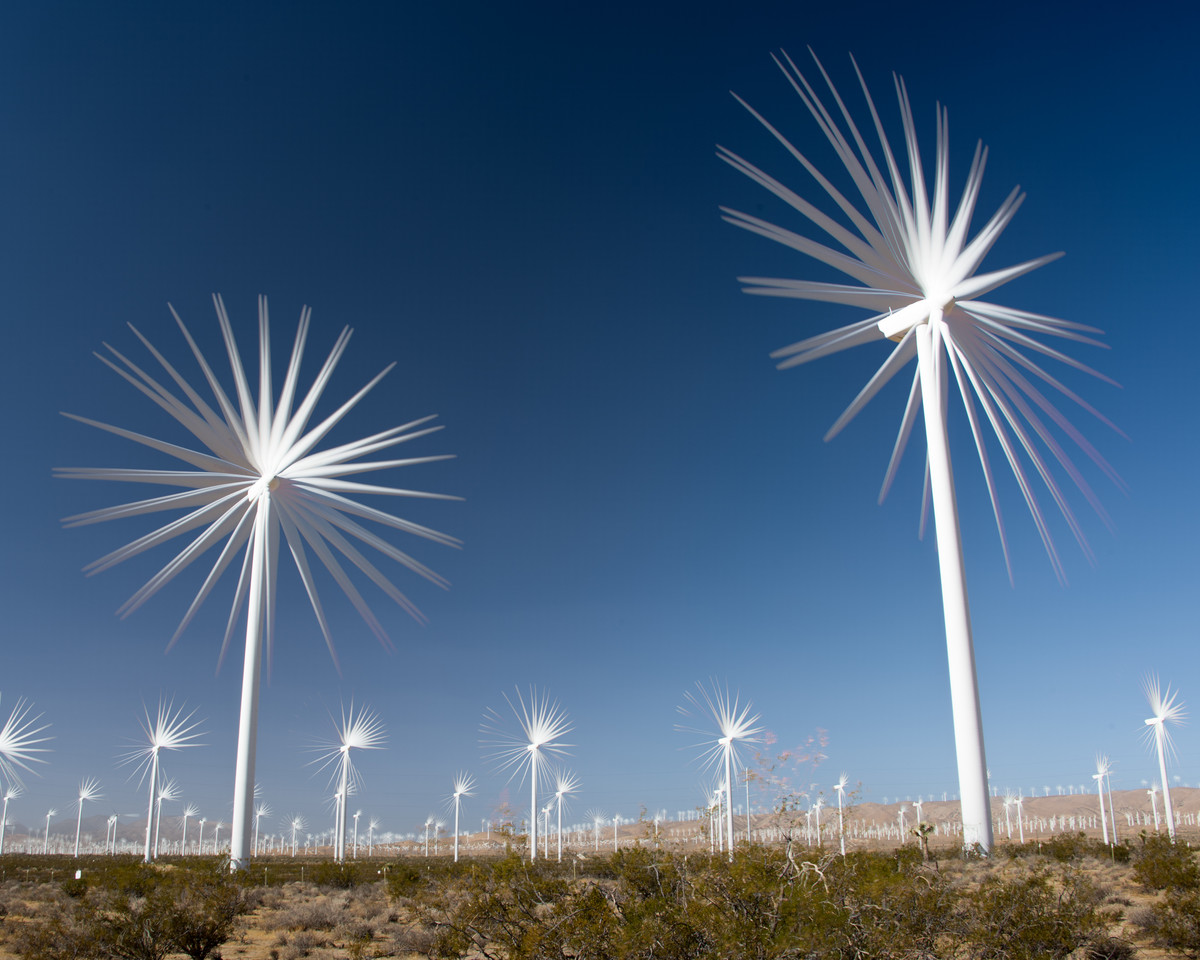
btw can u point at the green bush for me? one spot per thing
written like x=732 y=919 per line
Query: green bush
x=1033 y=916
x=341 y=876
x=1161 y=864
x=1174 y=922
x=403 y=880
x=185 y=911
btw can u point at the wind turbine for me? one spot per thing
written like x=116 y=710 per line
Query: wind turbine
x=1167 y=708
x=543 y=724
x=260 y=810
x=189 y=811
x=734 y=725
x=296 y=823
x=1102 y=767
x=170 y=730
x=168 y=791
x=11 y=792
x=357 y=731
x=915 y=270
x=89 y=789
x=464 y=786
x=840 y=787
x=565 y=784
x=19 y=742
x=256 y=478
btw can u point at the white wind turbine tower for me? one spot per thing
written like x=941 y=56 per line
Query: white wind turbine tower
x=565 y=784
x=168 y=792
x=597 y=818
x=1101 y=772
x=260 y=810
x=372 y=826
x=46 y=840
x=296 y=823
x=11 y=792
x=89 y=789
x=254 y=478
x=358 y=731
x=1152 y=793
x=840 y=787
x=915 y=271
x=464 y=786
x=170 y=730
x=543 y=724
x=734 y=725
x=1167 y=708
x=189 y=811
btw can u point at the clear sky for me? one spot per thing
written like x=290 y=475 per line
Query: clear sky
x=519 y=205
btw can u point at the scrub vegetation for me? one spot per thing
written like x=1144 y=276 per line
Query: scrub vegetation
x=1065 y=897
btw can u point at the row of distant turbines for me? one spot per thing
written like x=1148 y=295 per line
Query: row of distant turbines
x=527 y=752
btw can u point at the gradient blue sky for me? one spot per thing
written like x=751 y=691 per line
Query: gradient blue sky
x=518 y=204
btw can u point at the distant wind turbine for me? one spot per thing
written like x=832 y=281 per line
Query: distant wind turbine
x=357 y=731
x=565 y=784
x=296 y=823
x=542 y=725
x=1167 y=708
x=1102 y=768
x=734 y=725
x=253 y=479
x=171 y=729
x=464 y=786
x=11 y=792
x=189 y=811
x=89 y=789
x=840 y=787
x=916 y=271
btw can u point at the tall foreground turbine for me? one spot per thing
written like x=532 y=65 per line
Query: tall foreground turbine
x=254 y=474
x=915 y=270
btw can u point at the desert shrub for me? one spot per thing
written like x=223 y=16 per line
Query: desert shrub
x=66 y=934
x=129 y=877
x=1109 y=948
x=1160 y=864
x=1067 y=847
x=341 y=876
x=412 y=938
x=403 y=880
x=74 y=887
x=190 y=912
x=355 y=936
x=1032 y=916
x=1174 y=922
x=302 y=945
x=322 y=914
x=204 y=907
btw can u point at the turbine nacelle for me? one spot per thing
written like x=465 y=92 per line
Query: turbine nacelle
x=897 y=323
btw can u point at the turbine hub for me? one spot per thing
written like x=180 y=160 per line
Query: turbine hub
x=263 y=486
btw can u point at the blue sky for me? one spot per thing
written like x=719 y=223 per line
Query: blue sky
x=519 y=207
